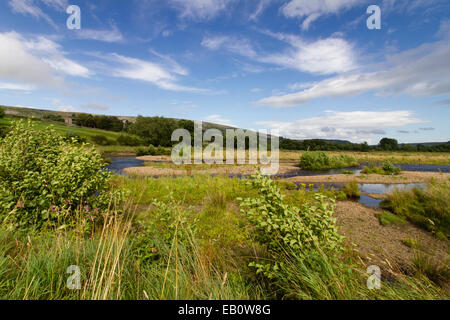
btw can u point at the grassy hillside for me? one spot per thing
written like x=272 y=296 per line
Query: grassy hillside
x=63 y=129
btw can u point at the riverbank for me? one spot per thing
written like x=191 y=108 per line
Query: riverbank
x=402 y=178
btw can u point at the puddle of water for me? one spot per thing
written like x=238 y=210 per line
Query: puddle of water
x=417 y=167
x=119 y=163
x=369 y=201
x=388 y=188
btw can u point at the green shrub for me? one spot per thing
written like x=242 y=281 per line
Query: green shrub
x=279 y=226
x=351 y=190
x=53 y=117
x=72 y=136
x=2 y=113
x=129 y=140
x=44 y=179
x=101 y=140
x=152 y=151
x=318 y=160
x=387 y=169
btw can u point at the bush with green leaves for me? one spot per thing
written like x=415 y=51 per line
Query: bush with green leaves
x=279 y=226
x=318 y=160
x=387 y=169
x=102 y=140
x=129 y=140
x=2 y=113
x=47 y=181
x=351 y=190
x=152 y=151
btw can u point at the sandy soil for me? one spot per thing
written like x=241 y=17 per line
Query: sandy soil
x=377 y=243
x=284 y=167
x=404 y=177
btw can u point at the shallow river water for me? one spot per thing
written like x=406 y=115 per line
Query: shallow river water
x=118 y=164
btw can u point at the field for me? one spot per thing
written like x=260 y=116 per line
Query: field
x=201 y=237
x=87 y=133
x=185 y=238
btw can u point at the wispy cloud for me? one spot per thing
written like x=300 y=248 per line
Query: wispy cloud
x=113 y=35
x=160 y=75
x=445 y=102
x=16 y=86
x=310 y=11
x=32 y=8
x=53 y=54
x=199 y=9
x=262 y=5
x=357 y=126
x=418 y=72
x=324 y=56
x=236 y=45
x=95 y=107
x=215 y=118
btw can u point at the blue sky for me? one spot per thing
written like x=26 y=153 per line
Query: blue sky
x=311 y=69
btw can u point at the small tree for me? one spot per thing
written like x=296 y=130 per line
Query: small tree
x=2 y=113
x=47 y=181
x=388 y=144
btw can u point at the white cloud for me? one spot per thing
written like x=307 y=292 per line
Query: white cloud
x=199 y=9
x=324 y=56
x=312 y=10
x=95 y=107
x=163 y=76
x=66 y=109
x=262 y=5
x=60 y=5
x=51 y=52
x=357 y=126
x=27 y=7
x=113 y=35
x=215 y=118
x=37 y=62
x=16 y=86
x=18 y=64
x=30 y=7
x=236 y=45
x=418 y=72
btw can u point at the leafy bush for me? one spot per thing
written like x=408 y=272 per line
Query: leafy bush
x=279 y=226
x=318 y=160
x=2 y=113
x=351 y=190
x=152 y=151
x=101 y=140
x=72 y=136
x=54 y=117
x=129 y=140
x=44 y=179
x=387 y=169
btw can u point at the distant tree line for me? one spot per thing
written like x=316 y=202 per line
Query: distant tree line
x=109 y=123
x=386 y=144
x=157 y=131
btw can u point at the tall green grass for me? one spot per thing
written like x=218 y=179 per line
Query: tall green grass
x=427 y=208
x=184 y=239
